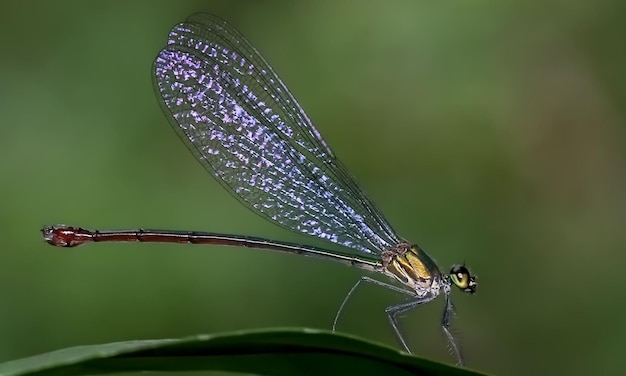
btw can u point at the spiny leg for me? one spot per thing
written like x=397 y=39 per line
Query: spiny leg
x=393 y=311
x=448 y=312
x=371 y=280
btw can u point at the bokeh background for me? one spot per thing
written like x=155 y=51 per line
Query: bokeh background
x=489 y=132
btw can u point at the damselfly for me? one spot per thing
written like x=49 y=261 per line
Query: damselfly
x=243 y=125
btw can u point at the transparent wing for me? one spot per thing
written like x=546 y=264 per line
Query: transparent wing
x=247 y=130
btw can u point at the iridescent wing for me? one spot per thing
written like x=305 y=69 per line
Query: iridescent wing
x=244 y=126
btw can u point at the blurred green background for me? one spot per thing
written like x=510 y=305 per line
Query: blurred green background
x=489 y=132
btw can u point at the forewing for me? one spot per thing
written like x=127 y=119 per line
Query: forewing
x=245 y=127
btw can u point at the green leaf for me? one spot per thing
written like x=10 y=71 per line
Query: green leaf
x=264 y=352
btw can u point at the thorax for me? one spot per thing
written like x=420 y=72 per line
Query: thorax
x=412 y=267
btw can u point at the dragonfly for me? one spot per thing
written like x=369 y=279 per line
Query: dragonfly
x=248 y=131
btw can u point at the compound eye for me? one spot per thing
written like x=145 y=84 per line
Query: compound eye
x=462 y=279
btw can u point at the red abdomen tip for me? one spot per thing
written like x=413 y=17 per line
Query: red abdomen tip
x=65 y=236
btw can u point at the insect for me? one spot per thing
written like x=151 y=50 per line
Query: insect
x=244 y=126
